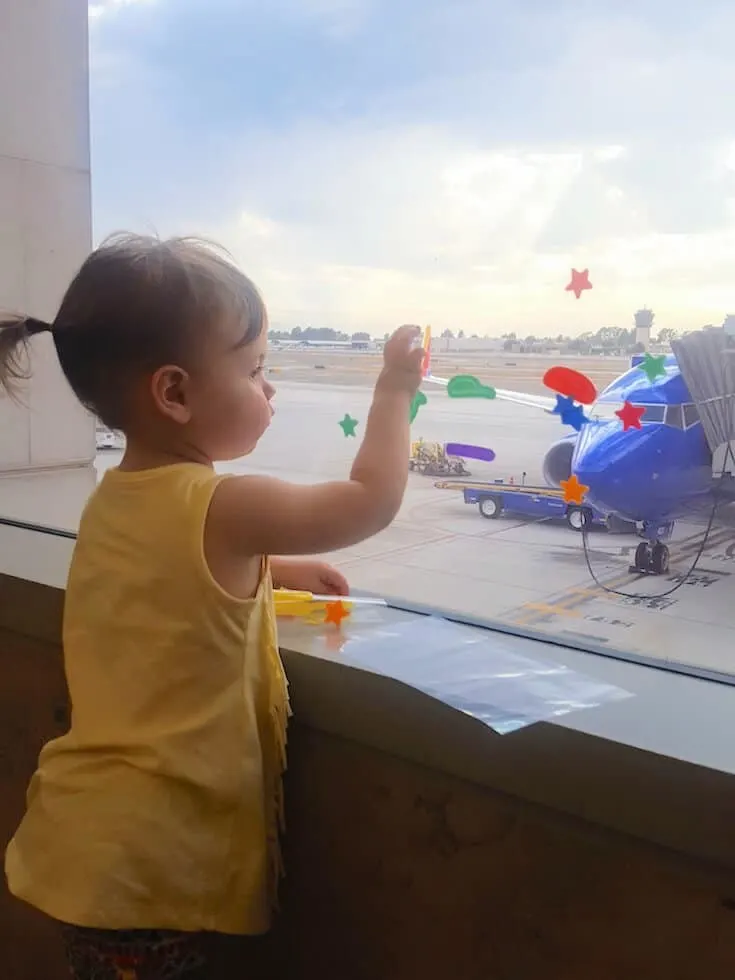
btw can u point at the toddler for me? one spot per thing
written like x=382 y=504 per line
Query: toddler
x=154 y=822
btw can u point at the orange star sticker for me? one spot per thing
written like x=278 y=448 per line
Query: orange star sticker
x=574 y=491
x=336 y=612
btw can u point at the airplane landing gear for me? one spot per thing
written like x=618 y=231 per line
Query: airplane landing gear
x=651 y=559
x=652 y=555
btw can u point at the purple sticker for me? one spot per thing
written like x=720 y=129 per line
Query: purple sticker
x=469 y=452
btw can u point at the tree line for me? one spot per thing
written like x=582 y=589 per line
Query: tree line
x=612 y=338
x=317 y=333
x=607 y=338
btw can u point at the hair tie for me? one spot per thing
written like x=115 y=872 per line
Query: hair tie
x=34 y=326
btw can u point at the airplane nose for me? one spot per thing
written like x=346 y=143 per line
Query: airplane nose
x=626 y=472
x=597 y=454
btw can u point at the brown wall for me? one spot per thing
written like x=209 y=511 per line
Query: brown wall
x=399 y=872
x=32 y=710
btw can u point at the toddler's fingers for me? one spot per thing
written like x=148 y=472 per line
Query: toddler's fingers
x=406 y=335
x=416 y=357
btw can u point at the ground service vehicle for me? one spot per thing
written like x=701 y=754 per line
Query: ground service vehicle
x=431 y=459
x=493 y=499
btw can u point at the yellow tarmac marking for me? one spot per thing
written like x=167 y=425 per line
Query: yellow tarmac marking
x=551 y=609
x=531 y=613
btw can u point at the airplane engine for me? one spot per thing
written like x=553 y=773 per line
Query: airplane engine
x=558 y=461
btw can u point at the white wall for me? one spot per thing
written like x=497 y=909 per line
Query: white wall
x=45 y=214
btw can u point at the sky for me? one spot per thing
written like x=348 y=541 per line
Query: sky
x=375 y=162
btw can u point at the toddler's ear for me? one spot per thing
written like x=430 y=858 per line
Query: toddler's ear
x=170 y=390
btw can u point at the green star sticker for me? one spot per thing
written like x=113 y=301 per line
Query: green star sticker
x=348 y=425
x=653 y=366
x=417 y=401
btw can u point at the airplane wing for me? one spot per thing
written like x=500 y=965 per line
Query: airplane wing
x=522 y=398
x=516 y=397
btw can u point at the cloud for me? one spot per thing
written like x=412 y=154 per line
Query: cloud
x=450 y=234
x=371 y=162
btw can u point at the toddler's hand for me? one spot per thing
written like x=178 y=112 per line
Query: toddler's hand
x=402 y=370
x=309 y=576
x=328 y=580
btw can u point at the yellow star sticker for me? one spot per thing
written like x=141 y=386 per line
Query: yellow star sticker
x=574 y=491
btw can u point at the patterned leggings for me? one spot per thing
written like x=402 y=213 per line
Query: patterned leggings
x=135 y=954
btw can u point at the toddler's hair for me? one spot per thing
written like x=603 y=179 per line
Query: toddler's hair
x=136 y=304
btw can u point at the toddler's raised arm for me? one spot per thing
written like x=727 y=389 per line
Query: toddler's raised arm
x=261 y=515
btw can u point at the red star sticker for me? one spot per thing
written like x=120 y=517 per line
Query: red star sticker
x=574 y=491
x=630 y=416
x=580 y=282
x=336 y=612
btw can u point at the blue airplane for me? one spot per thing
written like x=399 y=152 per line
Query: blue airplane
x=646 y=477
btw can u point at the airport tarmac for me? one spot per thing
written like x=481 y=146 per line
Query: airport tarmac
x=529 y=574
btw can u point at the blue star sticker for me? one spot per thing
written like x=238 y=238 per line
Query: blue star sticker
x=562 y=405
x=569 y=413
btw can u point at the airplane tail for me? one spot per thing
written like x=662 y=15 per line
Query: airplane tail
x=426 y=363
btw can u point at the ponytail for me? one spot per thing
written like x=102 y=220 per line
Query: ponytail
x=14 y=335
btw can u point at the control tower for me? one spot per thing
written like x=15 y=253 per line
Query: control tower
x=643 y=320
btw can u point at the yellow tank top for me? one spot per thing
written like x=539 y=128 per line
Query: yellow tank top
x=160 y=808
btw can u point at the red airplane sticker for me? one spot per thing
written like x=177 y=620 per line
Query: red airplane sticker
x=573 y=384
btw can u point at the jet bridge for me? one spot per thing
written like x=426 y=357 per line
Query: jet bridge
x=706 y=360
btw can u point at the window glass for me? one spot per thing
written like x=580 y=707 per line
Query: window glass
x=540 y=200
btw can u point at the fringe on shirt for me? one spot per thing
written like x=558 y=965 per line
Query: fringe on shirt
x=279 y=713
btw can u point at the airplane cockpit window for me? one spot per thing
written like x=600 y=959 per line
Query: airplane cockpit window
x=675 y=416
x=691 y=415
x=654 y=413
x=604 y=411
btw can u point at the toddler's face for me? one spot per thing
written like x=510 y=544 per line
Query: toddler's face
x=231 y=396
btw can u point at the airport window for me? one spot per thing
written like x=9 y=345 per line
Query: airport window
x=439 y=191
